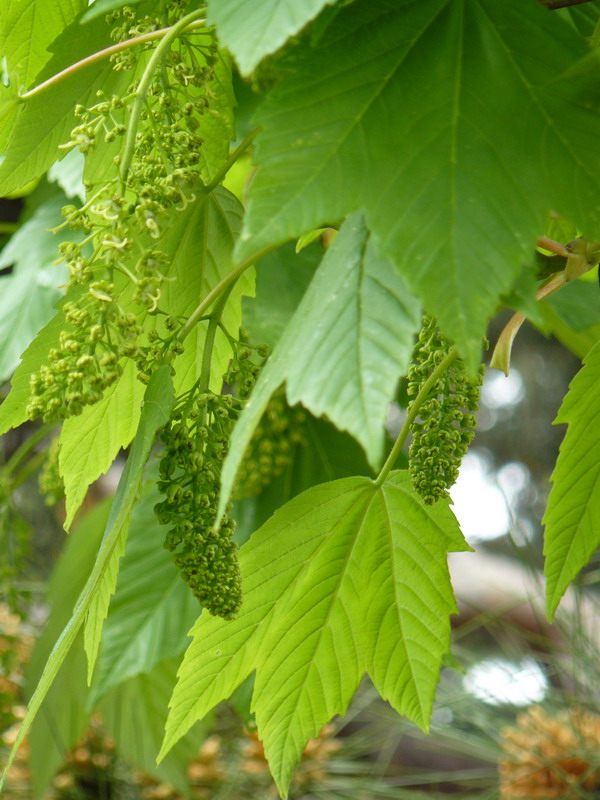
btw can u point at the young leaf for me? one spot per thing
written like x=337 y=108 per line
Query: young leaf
x=45 y=121
x=348 y=577
x=454 y=183
x=27 y=29
x=90 y=442
x=152 y=608
x=158 y=402
x=572 y=518
x=252 y=29
x=344 y=350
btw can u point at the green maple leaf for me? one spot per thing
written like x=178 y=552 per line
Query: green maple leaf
x=346 y=578
x=572 y=518
x=449 y=123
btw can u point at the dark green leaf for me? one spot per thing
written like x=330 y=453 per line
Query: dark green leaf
x=432 y=123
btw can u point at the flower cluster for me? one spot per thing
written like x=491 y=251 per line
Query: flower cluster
x=88 y=358
x=195 y=445
x=117 y=269
x=52 y=487
x=271 y=449
x=445 y=425
x=550 y=756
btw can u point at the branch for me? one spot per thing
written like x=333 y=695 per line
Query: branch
x=554 y=4
x=100 y=56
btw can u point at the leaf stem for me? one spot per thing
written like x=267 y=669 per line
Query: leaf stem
x=237 y=153
x=142 y=89
x=100 y=56
x=554 y=247
x=209 y=342
x=413 y=411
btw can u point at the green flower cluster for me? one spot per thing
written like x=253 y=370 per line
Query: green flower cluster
x=195 y=445
x=88 y=358
x=52 y=487
x=117 y=270
x=280 y=431
x=445 y=425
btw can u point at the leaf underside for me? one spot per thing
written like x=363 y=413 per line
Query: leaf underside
x=344 y=579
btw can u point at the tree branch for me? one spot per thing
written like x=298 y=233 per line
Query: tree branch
x=554 y=4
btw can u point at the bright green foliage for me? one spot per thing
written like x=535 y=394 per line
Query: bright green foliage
x=89 y=445
x=572 y=517
x=252 y=29
x=44 y=121
x=465 y=106
x=446 y=424
x=336 y=603
x=343 y=351
x=281 y=279
x=435 y=142
x=27 y=29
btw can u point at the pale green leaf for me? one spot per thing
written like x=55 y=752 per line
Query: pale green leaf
x=344 y=350
x=152 y=609
x=68 y=174
x=158 y=402
x=429 y=115
x=90 y=441
x=200 y=244
x=348 y=577
x=27 y=29
x=102 y=7
x=45 y=120
x=252 y=29
x=28 y=294
x=134 y=715
x=572 y=518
